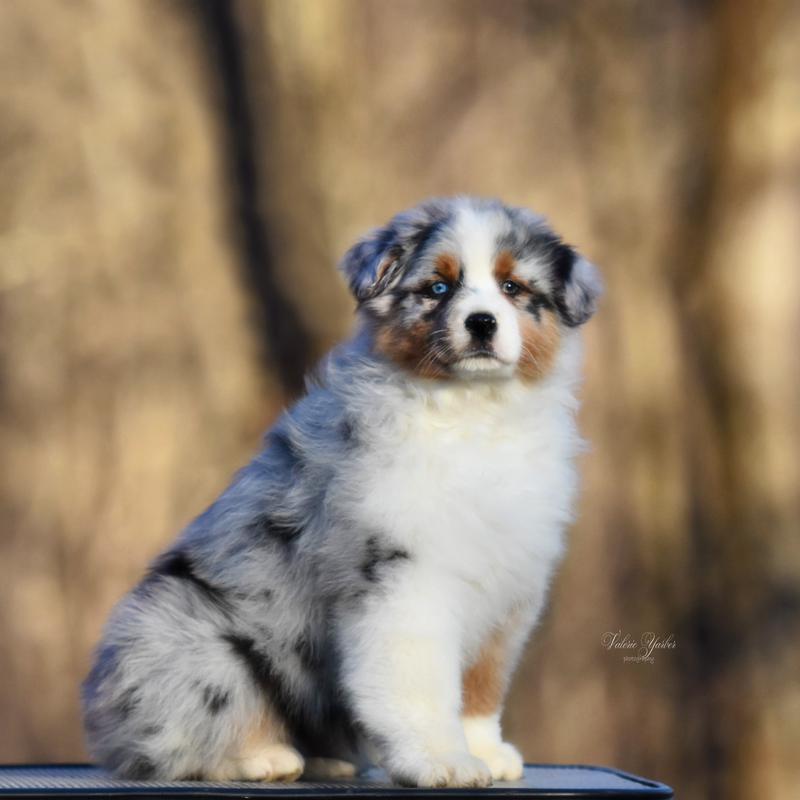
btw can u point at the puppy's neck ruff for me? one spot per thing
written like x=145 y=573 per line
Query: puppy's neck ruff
x=375 y=385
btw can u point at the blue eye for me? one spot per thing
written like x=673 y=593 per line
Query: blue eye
x=511 y=288
x=438 y=289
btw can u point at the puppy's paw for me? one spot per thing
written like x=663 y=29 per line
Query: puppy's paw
x=503 y=759
x=485 y=741
x=327 y=769
x=454 y=769
x=273 y=762
x=270 y=762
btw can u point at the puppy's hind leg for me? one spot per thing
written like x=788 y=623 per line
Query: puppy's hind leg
x=262 y=754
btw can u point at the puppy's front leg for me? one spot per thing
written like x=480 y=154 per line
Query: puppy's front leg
x=485 y=683
x=403 y=675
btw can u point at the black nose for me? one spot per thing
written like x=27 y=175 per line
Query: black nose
x=481 y=325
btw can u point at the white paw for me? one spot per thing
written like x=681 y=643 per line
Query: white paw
x=454 y=769
x=272 y=762
x=484 y=741
x=504 y=761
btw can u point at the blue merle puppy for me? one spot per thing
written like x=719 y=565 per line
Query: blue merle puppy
x=362 y=590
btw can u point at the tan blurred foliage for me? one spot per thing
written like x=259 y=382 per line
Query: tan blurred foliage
x=178 y=180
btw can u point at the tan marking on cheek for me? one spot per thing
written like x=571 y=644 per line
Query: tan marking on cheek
x=448 y=267
x=504 y=266
x=483 y=684
x=410 y=348
x=540 y=341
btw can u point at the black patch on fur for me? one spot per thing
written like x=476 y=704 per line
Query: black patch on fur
x=281 y=443
x=270 y=528
x=523 y=242
x=264 y=674
x=312 y=719
x=141 y=768
x=421 y=240
x=267 y=594
x=215 y=699
x=536 y=303
x=375 y=556
x=178 y=564
x=152 y=730
x=308 y=654
x=563 y=260
x=128 y=702
x=104 y=667
x=348 y=430
x=439 y=311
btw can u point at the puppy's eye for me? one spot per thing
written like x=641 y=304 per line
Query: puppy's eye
x=511 y=288
x=438 y=290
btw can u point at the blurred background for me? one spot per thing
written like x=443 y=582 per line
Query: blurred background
x=178 y=179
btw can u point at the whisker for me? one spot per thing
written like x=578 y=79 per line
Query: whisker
x=438 y=351
x=531 y=355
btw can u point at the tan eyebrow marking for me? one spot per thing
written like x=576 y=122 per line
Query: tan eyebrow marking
x=504 y=266
x=447 y=267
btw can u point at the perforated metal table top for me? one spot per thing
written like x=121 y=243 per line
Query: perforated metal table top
x=540 y=780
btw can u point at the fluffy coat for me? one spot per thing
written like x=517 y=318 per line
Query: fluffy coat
x=363 y=589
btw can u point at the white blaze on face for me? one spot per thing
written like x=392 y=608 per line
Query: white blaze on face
x=475 y=235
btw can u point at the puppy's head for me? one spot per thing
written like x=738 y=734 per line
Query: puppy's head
x=470 y=288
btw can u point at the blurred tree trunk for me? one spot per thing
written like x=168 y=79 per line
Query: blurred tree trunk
x=130 y=378
x=740 y=291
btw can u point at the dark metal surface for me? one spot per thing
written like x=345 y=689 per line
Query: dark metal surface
x=540 y=780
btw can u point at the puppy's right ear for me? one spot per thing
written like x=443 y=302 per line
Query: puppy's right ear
x=371 y=263
x=374 y=263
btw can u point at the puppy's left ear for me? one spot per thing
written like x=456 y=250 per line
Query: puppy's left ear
x=578 y=286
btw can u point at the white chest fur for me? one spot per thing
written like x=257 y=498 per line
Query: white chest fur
x=477 y=482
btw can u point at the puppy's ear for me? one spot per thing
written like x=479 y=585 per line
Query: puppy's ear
x=371 y=263
x=376 y=261
x=578 y=286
